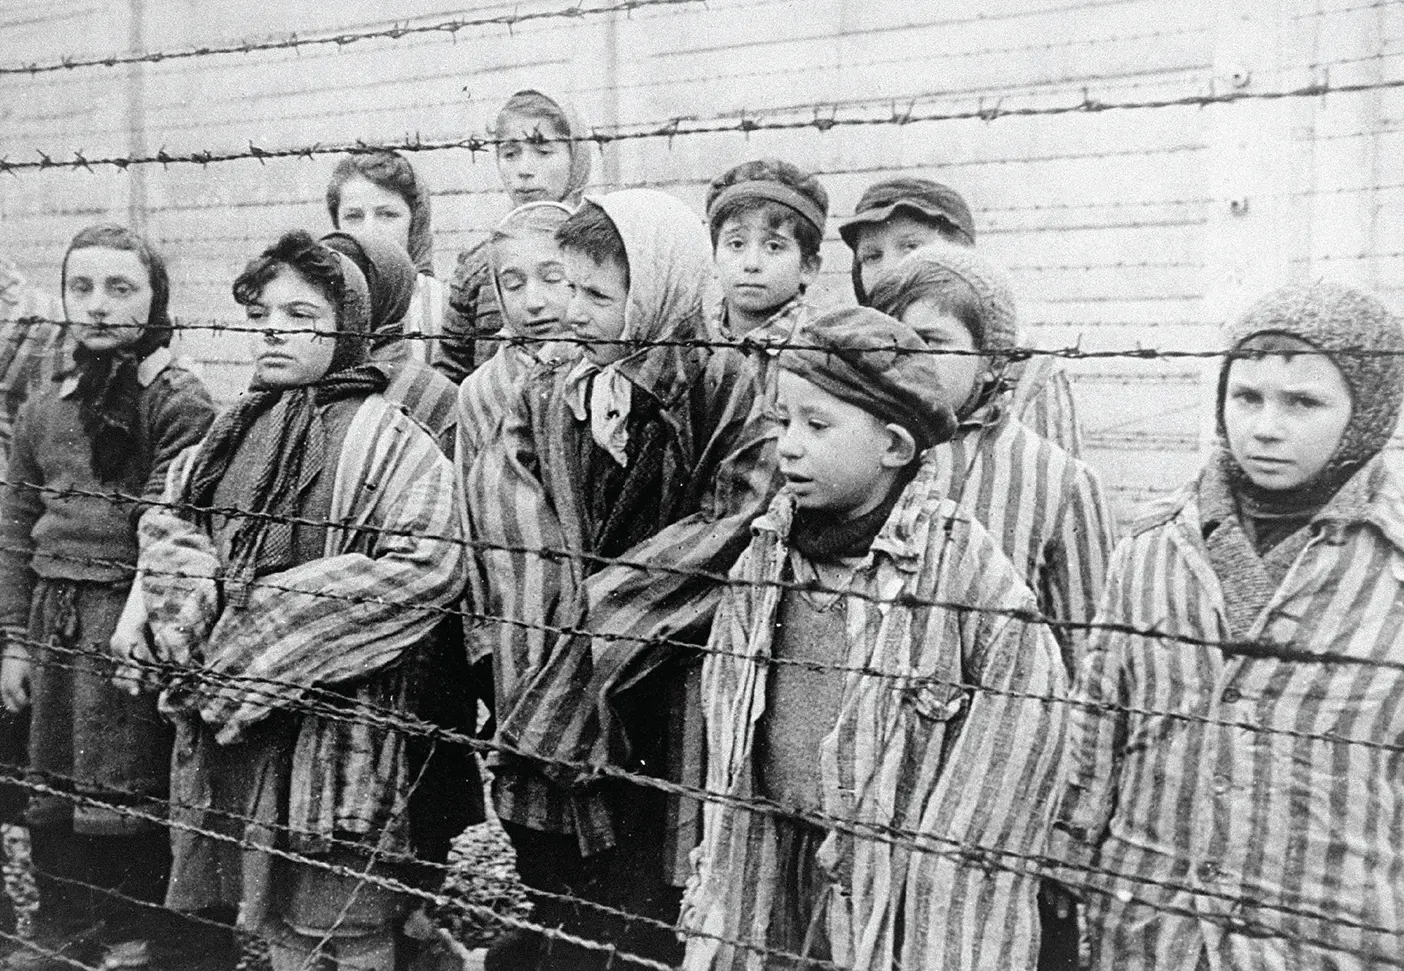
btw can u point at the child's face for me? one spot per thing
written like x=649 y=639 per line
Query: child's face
x=532 y=170
x=834 y=456
x=882 y=246
x=107 y=295
x=960 y=373
x=599 y=292
x=1285 y=416
x=369 y=207
x=759 y=263
x=531 y=278
x=288 y=354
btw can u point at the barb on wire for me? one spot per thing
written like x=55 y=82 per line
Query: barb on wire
x=293 y=42
x=744 y=125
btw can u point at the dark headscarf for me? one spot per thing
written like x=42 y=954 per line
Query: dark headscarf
x=263 y=541
x=390 y=280
x=394 y=173
x=109 y=394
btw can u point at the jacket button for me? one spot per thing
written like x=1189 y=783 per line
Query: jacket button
x=1208 y=871
x=1231 y=695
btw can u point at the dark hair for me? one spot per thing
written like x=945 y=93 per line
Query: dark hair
x=913 y=281
x=589 y=230
x=295 y=250
x=113 y=236
x=392 y=172
x=778 y=216
x=533 y=104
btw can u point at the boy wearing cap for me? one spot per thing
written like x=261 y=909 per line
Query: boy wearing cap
x=766 y=219
x=895 y=217
x=645 y=462
x=1234 y=797
x=886 y=728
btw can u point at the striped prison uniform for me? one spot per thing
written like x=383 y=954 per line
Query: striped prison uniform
x=950 y=729
x=1244 y=808
x=1045 y=508
x=1042 y=398
x=472 y=317
x=369 y=601
x=523 y=491
x=32 y=334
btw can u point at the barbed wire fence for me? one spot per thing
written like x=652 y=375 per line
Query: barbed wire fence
x=1243 y=911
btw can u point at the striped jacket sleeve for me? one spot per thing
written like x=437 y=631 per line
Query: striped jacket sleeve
x=1097 y=722
x=1077 y=562
x=1043 y=402
x=347 y=616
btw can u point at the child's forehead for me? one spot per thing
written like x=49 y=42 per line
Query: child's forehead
x=763 y=215
x=794 y=390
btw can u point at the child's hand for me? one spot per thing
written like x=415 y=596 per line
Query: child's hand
x=131 y=649
x=14 y=679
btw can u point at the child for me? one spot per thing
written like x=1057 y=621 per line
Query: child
x=380 y=192
x=905 y=719
x=313 y=440
x=542 y=156
x=528 y=273
x=767 y=219
x=33 y=333
x=898 y=215
x=656 y=455
x=1234 y=777
x=109 y=421
x=1045 y=507
x=425 y=394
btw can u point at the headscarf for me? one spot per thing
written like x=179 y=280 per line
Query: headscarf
x=943 y=271
x=876 y=363
x=534 y=104
x=533 y=218
x=1365 y=343
x=390 y=281
x=263 y=541
x=670 y=264
x=917 y=197
x=393 y=172
x=108 y=390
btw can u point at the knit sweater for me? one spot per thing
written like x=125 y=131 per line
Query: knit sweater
x=57 y=521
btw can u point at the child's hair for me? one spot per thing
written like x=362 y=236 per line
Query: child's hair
x=113 y=236
x=807 y=223
x=589 y=230
x=392 y=172
x=533 y=104
x=295 y=250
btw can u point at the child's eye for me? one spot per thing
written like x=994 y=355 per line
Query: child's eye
x=1245 y=396
x=545 y=149
x=775 y=246
x=1304 y=401
x=552 y=276
x=352 y=216
x=255 y=312
x=80 y=286
x=387 y=213
x=817 y=425
x=121 y=289
x=869 y=257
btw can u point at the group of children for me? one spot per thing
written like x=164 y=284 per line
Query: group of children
x=799 y=627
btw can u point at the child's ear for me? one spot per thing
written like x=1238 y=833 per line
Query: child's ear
x=901 y=447
x=809 y=270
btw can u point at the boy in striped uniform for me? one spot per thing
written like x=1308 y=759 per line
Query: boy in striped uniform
x=883 y=764
x=896 y=216
x=766 y=218
x=1234 y=795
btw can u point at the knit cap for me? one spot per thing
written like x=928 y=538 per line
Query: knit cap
x=877 y=363
x=948 y=273
x=1341 y=322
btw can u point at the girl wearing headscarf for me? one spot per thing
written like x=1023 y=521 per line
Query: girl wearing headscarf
x=381 y=193
x=543 y=155
x=1234 y=797
x=93 y=440
x=273 y=616
x=425 y=394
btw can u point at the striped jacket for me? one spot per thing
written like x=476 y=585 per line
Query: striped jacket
x=1247 y=803
x=472 y=316
x=953 y=738
x=369 y=601
x=32 y=333
x=1044 y=507
x=1042 y=399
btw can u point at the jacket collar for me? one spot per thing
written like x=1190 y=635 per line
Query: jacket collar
x=148 y=370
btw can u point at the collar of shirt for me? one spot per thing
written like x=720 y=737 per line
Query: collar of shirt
x=147 y=371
